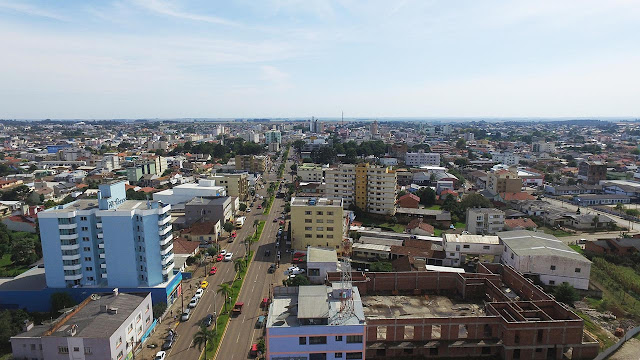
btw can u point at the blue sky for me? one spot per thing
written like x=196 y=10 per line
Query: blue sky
x=290 y=58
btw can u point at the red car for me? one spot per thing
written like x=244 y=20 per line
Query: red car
x=299 y=254
x=234 y=234
x=297 y=260
x=259 y=206
x=220 y=257
x=281 y=222
x=213 y=270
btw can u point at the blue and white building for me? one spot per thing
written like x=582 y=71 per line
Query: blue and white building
x=316 y=323
x=107 y=242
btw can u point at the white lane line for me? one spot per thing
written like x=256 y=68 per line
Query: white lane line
x=191 y=343
x=238 y=339
x=209 y=307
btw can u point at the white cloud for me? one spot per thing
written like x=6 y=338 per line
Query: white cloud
x=168 y=9
x=27 y=9
x=275 y=76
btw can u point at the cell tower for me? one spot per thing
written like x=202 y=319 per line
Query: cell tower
x=346 y=284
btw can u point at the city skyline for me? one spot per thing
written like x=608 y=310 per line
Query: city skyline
x=157 y=59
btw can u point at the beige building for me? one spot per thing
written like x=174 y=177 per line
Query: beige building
x=310 y=172
x=371 y=187
x=237 y=185
x=318 y=222
x=252 y=163
x=504 y=181
x=484 y=220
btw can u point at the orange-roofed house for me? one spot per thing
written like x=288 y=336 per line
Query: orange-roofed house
x=409 y=201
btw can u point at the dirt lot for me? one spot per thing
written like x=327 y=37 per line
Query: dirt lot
x=629 y=351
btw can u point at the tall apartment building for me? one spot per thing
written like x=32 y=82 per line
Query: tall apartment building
x=372 y=188
x=374 y=128
x=318 y=222
x=311 y=322
x=504 y=181
x=252 y=163
x=155 y=166
x=236 y=185
x=507 y=158
x=311 y=172
x=484 y=220
x=543 y=147
x=104 y=326
x=272 y=136
x=422 y=158
x=110 y=241
x=592 y=172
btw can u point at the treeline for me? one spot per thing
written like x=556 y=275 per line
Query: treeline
x=352 y=151
x=24 y=248
x=231 y=148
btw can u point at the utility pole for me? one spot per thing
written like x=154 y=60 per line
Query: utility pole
x=182 y=296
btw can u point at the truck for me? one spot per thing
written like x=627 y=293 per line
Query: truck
x=237 y=309
x=240 y=221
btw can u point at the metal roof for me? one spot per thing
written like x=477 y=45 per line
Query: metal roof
x=533 y=243
x=313 y=302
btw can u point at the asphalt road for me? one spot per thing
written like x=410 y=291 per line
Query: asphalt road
x=633 y=226
x=211 y=302
x=241 y=332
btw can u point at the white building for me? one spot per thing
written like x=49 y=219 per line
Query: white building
x=185 y=192
x=484 y=220
x=311 y=172
x=507 y=158
x=462 y=248
x=309 y=325
x=105 y=326
x=421 y=158
x=537 y=253
x=320 y=261
x=543 y=147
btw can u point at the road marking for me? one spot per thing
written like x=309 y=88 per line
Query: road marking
x=237 y=340
x=191 y=343
x=209 y=307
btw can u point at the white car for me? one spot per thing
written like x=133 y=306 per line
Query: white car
x=228 y=257
x=223 y=252
x=248 y=209
x=199 y=293
x=160 y=355
x=193 y=302
x=186 y=314
x=298 y=271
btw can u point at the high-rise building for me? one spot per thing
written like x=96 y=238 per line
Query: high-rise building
x=252 y=163
x=504 y=181
x=317 y=222
x=309 y=172
x=484 y=220
x=109 y=241
x=372 y=188
x=374 y=128
x=272 y=136
x=543 y=147
x=236 y=185
x=422 y=158
x=592 y=172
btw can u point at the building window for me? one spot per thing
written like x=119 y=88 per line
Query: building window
x=354 y=339
x=83 y=218
x=63 y=349
x=338 y=338
x=329 y=228
x=354 y=355
x=84 y=228
x=318 y=356
x=337 y=355
x=76 y=349
x=317 y=340
x=320 y=221
x=330 y=213
x=86 y=249
x=329 y=221
x=319 y=236
x=308 y=228
x=553 y=267
x=577 y=270
x=307 y=236
x=465 y=246
x=319 y=228
x=302 y=340
x=512 y=256
x=84 y=238
x=329 y=236
x=552 y=282
x=485 y=247
x=307 y=221
x=307 y=212
x=89 y=268
x=319 y=213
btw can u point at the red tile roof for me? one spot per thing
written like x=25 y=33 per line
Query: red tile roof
x=520 y=223
x=519 y=196
x=183 y=246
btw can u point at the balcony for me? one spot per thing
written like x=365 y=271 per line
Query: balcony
x=72 y=267
x=167 y=269
x=99 y=225
x=104 y=276
x=167 y=250
x=68 y=226
x=166 y=259
x=102 y=256
x=165 y=209
x=163 y=220
x=71 y=256
x=103 y=266
x=73 y=277
x=69 y=237
x=164 y=230
x=164 y=241
x=100 y=236
x=75 y=246
x=101 y=245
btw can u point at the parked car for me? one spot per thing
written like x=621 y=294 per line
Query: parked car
x=248 y=209
x=267 y=253
x=275 y=220
x=260 y=322
x=185 y=314
x=213 y=270
x=297 y=260
x=204 y=284
x=254 y=350
x=228 y=257
x=220 y=257
x=199 y=293
x=223 y=252
x=193 y=302
x=272 y=269
x=237 y=308
x=208 y=320
x=259 y=207
x=160 y=355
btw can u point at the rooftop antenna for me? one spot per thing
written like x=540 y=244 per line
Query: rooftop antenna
x=346 y=283
x=342 y=118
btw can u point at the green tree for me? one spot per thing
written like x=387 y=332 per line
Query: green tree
x=239 y=265
x=159 y=309
x=23 y=251
x=381 y=266
x=61 y=300
x=243 y=207
x=565 y=293
x=461 y=144
x=225 y=290
x=202 y=337
x=228 y=227
x=299 y=280
x=427 y=196
x=294 y=167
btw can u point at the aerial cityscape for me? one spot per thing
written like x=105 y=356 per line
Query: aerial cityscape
x=319 y=180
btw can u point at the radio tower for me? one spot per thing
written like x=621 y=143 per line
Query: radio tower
x=346 y=285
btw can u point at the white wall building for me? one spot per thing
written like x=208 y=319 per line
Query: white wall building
x=319 y=262
x=185 y=192
x=460 y=248
x=507 y=158
x=484 y=220
x=537 y=253
x=422 y=158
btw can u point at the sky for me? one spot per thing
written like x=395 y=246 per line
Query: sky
x=301 y=58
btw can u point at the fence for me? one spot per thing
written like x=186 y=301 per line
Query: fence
x=611 y=349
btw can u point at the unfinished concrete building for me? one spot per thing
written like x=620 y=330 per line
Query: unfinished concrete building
x=495 y=313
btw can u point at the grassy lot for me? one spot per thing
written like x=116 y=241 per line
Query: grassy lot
x=604 y=340
x=556 y=233
x=8 y=269
x=460 y=225
x=618 y=284
x=437 y=232
x=433 y=207
x=577 y=249
x=267 y=206
x=367 y=221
